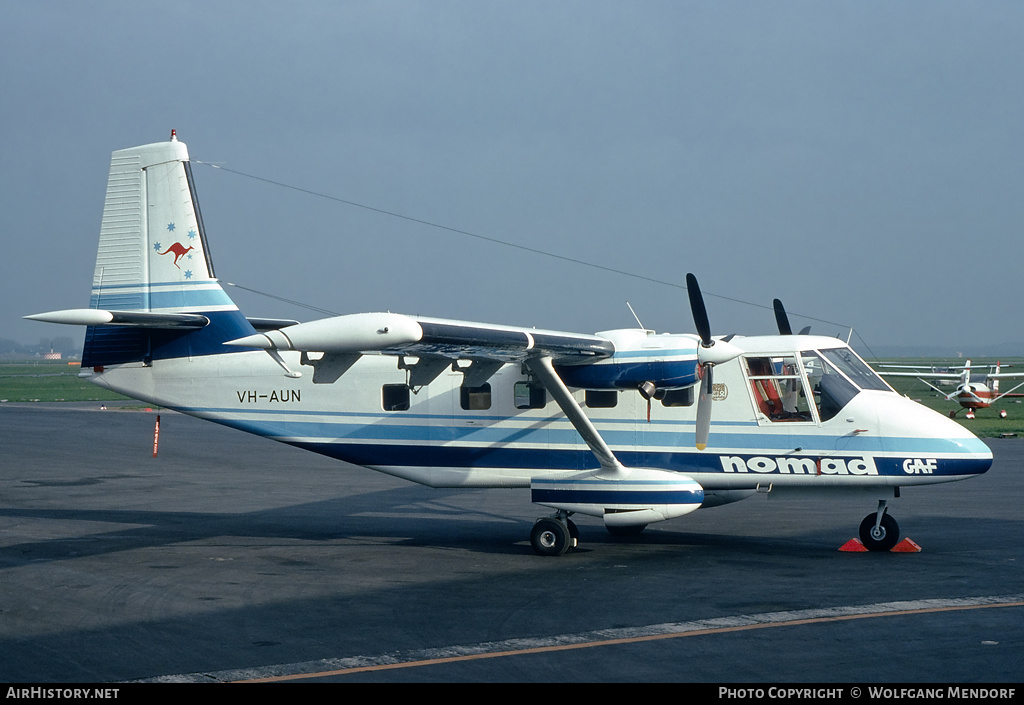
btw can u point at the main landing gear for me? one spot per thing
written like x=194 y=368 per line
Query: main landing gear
x=879 y=531
x=555 y=535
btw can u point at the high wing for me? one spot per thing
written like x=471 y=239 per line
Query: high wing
x=921 y=375
x=948 y=375
x=435 y=342
x=398 y=334
x=950 y=372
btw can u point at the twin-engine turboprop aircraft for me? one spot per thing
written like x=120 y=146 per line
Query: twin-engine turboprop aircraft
x=616 y=425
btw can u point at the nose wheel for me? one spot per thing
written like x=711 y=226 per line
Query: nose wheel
x=879 y=531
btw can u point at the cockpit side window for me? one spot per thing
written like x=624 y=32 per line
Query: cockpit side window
x=778 y=388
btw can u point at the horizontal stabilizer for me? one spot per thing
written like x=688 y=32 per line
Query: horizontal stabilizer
x=139 y=319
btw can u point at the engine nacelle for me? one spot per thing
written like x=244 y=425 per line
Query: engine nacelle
x=641 y=357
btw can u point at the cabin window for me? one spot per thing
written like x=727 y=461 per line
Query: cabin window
x=678 y=397
x=475 y=398
x=529 y=396
x=394 y=397
x=599 y=399
x=778 y=388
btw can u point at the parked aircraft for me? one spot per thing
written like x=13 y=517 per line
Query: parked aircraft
x=973 y=390
x=644 y=427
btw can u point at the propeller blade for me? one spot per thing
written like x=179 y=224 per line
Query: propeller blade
x=700 y=313
x=781 y=318
x=704 y=409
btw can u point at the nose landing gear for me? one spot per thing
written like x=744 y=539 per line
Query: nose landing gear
x=879 y=531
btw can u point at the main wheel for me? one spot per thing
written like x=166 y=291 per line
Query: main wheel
x=884 y=537
x=550 y=537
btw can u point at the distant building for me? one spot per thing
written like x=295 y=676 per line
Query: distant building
x=52 y=355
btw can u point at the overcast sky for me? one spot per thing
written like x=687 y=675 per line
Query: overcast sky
x=863 y=161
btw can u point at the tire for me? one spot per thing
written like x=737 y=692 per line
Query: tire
x=887 y=536
x=550 y=537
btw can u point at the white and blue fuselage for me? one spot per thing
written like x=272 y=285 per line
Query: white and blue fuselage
x=601 y=424
x=442 y=436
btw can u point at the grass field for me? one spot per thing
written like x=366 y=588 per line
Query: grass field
x=47 y=380
x=986 y=423
x=50 y=381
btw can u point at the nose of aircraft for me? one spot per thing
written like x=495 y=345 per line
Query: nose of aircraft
x=924 y=433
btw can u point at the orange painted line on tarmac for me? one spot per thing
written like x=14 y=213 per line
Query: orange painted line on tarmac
x=613 y=642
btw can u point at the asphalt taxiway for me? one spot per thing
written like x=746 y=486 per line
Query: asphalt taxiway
x=229 y=557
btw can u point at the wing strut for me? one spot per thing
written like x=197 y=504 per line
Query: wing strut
x=1005 y=393
x=545 y=371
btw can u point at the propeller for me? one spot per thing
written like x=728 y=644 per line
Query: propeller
x=710 y=353
x=704 y=407
x=700 y=313
x=700 y=320
x=781 y=318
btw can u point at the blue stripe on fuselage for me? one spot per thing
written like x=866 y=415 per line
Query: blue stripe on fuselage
x=369 y=443
x=741 y=437
x=463 y=457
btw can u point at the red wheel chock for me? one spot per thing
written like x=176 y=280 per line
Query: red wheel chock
x=904 y=546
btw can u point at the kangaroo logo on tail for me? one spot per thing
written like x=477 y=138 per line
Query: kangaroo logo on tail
x=178 y=249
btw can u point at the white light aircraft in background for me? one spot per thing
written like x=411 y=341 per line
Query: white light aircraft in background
x=973 y=390
x=629 y=438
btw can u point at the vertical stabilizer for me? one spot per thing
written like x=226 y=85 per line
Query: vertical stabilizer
x=152 y=253
x=153 y=258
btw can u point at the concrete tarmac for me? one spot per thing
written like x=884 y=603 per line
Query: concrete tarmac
x=230 y=557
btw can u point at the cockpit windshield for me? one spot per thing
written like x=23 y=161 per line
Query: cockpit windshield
x=824 y=380
x=854 y=368
x=832 y=391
